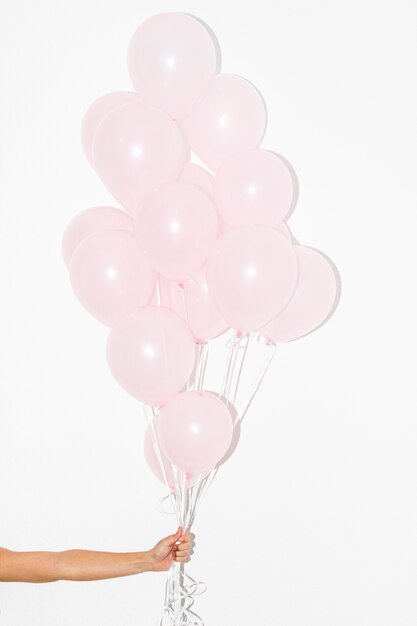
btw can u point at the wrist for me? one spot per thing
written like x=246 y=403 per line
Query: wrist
x=145 y=561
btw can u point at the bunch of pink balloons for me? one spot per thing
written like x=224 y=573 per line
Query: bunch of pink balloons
x=193 y=251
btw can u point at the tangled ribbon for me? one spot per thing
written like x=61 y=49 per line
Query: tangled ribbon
x=180 y=592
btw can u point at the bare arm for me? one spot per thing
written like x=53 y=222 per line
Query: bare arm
x=42 y=567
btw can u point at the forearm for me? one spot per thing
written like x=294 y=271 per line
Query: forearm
x=89 y=565
x=41 y=567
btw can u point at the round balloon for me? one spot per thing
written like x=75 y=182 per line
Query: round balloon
x=312 y=301
x=282 y=228
x=154 y=459
x=97 y=112
x=254 y=187
x=177 y=226
x=91 y=221
x=231 y=118
x=137 y=147
x=151 y=353
x=191 y=300
x=251 y=275
x=172 y=61
x=197 y=175
x=195 y=430
x=111 y=275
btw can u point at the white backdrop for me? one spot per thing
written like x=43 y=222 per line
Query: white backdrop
x=313 y=520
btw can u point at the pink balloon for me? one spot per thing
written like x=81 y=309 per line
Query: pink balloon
x=193 y=302
x=137 y=147
x=284 y=230
x=91 y=221
x=172 y=61
x=195 y=430
x=230 y=119
x=251 y=275
x=97 y=112
x=151 y=354
x=312 y=301
x=164 y=288
x=110 y=275
x=196 y=175
x=177 y=226
x=254 y=187
x=152 y=459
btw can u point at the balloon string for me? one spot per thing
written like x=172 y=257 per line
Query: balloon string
x=158 y=290
x=203 y=488
x=235 y=352
x=184 y=300
x=227 y=368
x=147 y=410
x=267 y=362
x=180 y=599
x=181 y=589
x=196 y=374
x=242 y=361
x=204 y=484
x=203 y=367
x=235 y=345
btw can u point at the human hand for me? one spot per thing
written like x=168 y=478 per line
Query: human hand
x=167 y=551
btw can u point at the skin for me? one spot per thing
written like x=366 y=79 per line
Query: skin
x=45 y=567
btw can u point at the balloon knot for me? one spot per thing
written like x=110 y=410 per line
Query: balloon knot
x=199 y=341
x=239 y=333
x=269 y=342
x=187 y=475
x=181 y=285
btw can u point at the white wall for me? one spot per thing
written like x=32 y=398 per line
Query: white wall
x=313 y=520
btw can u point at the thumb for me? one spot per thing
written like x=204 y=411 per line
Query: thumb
x=171 y=539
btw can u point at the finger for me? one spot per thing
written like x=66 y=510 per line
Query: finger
x=182 y=555
x=187 y=537
x=187 y=545
x=183 y=548
x=173 y=538
x=182 y=559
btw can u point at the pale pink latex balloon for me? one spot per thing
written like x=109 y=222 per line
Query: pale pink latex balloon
x=312 y=301
x=196 y=175
x=172 y=61
x=254 y=187
x=151 y=354
x=164 y=288
x=111 y=275
x=195 y=430
x=251 y=275
x=284 y=230
x=137 y=147
x=91 y=221
x=231 y=118
x=152 y=459
x=177 y=226
x=193 y=302
x=97 y=112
